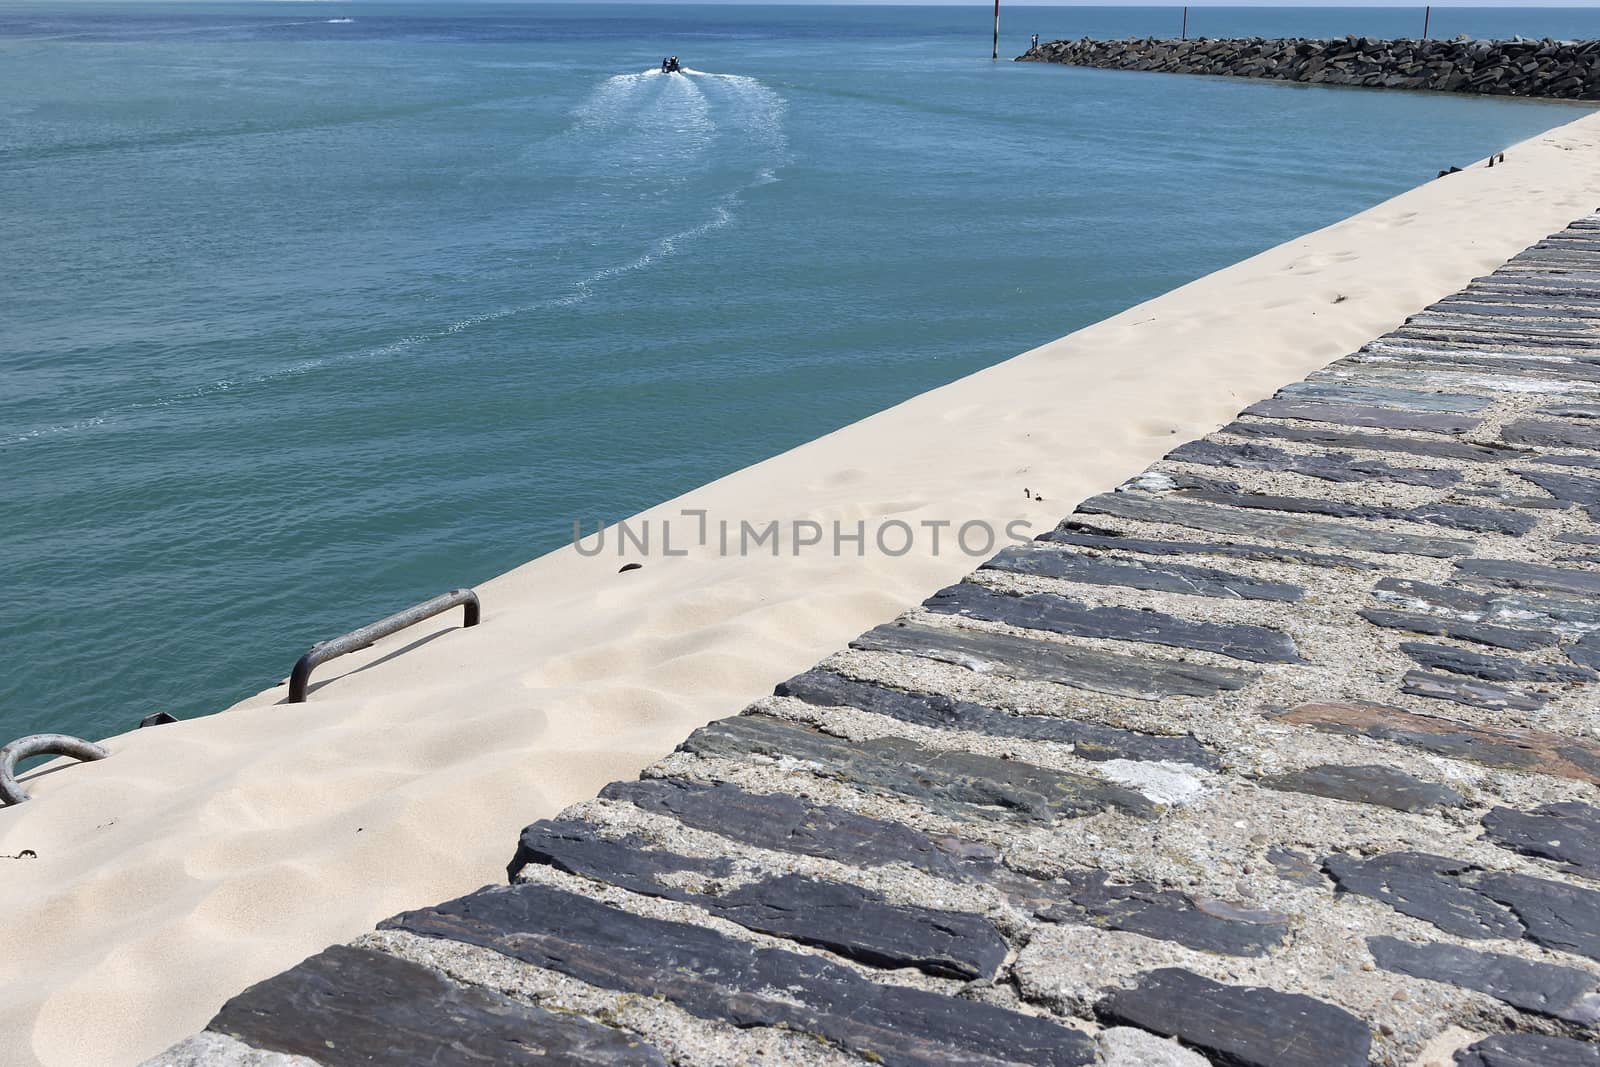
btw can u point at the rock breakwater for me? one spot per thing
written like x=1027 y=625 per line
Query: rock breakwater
x=1567 y=70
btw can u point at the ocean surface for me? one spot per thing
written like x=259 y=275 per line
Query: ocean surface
x=311 y=310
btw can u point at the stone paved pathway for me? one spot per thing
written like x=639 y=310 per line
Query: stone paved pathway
x=1282 y=754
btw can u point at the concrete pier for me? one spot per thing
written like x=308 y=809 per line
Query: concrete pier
x=1281 y=754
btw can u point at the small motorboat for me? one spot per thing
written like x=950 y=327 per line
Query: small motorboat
x=670 y=66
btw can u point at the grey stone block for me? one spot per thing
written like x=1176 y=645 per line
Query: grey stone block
x=1089 y=741
x=349 y=1007
x=1367 y=784
x=1063 y=615
x=958 y=784
x=1242 y=1026
x=1091 y=669
x=717 y=977
x=1542 y=988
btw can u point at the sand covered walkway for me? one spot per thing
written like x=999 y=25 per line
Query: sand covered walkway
x=1285 y=749
x=208 y=855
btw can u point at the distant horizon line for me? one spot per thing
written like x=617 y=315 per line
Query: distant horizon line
x=1350 y=5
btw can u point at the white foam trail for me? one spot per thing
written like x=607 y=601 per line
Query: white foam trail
x=603 y=107
x=338 y=22
x=688 y=112
x=760 y=111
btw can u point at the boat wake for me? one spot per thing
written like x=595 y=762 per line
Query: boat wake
x=643 y=136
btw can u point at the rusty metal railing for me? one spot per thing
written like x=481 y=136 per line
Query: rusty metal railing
x=40 y=745
x=356 y=640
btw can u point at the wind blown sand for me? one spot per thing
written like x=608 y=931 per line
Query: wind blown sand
x=207 y=855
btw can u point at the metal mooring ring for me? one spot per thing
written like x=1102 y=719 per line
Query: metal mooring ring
x=40 y=745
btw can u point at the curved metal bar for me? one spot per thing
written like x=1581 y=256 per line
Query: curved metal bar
x=40 y=745
x=356 y=640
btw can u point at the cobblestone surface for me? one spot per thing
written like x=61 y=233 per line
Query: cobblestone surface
x=1284 y=753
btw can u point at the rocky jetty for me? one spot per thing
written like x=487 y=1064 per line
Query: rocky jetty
x=1568 y=70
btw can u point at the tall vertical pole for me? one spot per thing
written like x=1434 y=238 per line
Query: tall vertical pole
x=1427 y=14
x=996 y=54
x=1186 y=23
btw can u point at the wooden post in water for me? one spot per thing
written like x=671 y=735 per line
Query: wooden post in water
x=1427 y=14
x=996 y=54
x=1185 y=23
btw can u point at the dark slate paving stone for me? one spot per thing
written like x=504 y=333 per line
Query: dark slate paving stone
x=1240 y=1026
x=1541 y=988
x=1518 y=500
x=1584 y=461
x=1556 y=915
x=576 y=847
x=1462 y=899
x=1353 y=392
x=1578 y=538
x=1328 y=389
x=1515 y=575
x=1586 y=652
x=1293 y=505
x=1009 y=656
x=1456 y=516
x=1529 y=1050
x=1089 y=741
x=1546 y=433
x=1425 y=887
x=1568 y=833
x=1511 y=319
x=1372 y=442
x=1087 y=897
x=1362 y=415
x=1472 y=694
x=1467 y=359
x=855 y=923
x=1492 y=668
x=1329 y=466
x=954 y=783
x=1569 y=488
x=1470 y=605
x=1090 y=569
x=1559 y=257
x=1511 y=316
x=1257 y=525
x=1528 y=300
x=1492 y=605
x=786 y=823
x=349 y=1007
x=1296 y=867
x=1539 y=751
x=1524 y=331
x=1073 y=533
x=1438 y=626
x=717 y=977
x=1484 y=340
x=1566 y=409
x=1367 y=784
x=1549 y=287
x=1471 y=517
x=1063 y=615
x=1488 y=336
x=1185 y=480
x=1496 y=305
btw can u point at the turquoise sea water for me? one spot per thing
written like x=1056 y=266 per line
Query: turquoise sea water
x=311 y=310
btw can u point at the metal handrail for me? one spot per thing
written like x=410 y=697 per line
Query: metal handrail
x=356 y=640
x=40 y=745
